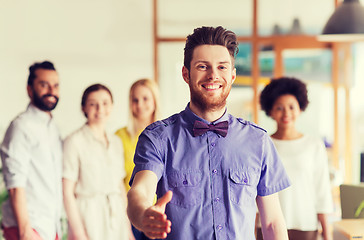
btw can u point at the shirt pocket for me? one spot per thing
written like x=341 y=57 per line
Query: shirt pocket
x=186 y=187
x=242 y=186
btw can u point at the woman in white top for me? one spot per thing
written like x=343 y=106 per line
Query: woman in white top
x=93 y=189
x=308 y=201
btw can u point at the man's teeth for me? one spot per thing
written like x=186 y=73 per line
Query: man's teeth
x=211 y=86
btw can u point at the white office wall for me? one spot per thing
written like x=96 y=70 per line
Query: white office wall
x=110 y=41
x=89 y=41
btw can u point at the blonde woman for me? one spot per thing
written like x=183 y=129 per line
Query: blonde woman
x=143 y=110
x=93 y=172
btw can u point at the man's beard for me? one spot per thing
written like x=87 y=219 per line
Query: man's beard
x=205 y=103
x=42 y=104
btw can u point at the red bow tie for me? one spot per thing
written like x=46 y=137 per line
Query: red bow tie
x=220 y=128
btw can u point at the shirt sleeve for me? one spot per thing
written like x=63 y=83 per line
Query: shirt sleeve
x=273 y=176
x=71 y=159
x=148 y=154
x=324 y=203
x=15 y=156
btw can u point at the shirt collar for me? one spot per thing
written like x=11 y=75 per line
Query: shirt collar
x=192 y=117
x=88 y=131
x=42 y=115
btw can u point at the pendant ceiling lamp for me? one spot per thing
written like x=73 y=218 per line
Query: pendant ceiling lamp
x=346 y=24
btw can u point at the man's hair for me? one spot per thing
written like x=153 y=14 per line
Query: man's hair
x=38 y=65
x=282 y=86
x=210 y=36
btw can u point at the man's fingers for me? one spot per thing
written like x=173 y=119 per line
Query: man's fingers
x=153 y=232
x=155 y=213
x=157 y=232
x=155 y=222
x=158 y=229
x=153 y=217
x=153 y=235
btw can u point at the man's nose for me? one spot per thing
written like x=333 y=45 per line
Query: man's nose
x=52 y=90
x=213 y=74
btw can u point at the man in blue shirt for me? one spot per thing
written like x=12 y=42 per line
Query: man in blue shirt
x=207 y=167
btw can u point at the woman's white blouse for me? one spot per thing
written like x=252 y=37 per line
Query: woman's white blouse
x=305 y=160
x=98 y=171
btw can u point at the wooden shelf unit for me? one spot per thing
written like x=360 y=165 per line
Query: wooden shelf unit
x=281 y=43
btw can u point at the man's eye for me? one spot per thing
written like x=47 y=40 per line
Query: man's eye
x=202 y=67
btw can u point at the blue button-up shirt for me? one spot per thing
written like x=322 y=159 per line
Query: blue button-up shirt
x=214 y=180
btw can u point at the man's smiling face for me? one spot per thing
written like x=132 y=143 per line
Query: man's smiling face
x=210 y=77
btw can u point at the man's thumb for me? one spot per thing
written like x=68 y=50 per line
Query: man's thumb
x=162 y=202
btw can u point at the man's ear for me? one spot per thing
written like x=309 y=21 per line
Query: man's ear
x=233 y=75
x=185 y=74
x=30 y=91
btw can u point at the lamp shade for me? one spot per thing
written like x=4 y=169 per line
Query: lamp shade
x=346 y=24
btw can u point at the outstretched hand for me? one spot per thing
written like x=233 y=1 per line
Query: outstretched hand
x=155 y=222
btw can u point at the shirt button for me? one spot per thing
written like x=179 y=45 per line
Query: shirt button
x=218 y=227
x=213 y=144
x=185 y=182
x=214 y=171
x=217 y=199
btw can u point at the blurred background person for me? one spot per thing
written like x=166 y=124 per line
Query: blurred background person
x=93 y=173
x=143 y=110
x=31 y=155
x=308 y=200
